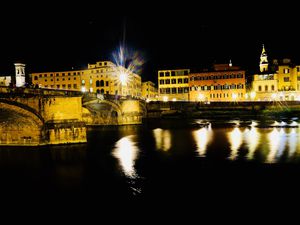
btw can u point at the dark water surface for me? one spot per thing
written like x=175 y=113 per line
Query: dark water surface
x=170 y=159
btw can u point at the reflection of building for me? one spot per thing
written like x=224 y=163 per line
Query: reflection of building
x=149 y=91
x=173 y=84
x=224 y=83
x=102 y=77
x=278 y=81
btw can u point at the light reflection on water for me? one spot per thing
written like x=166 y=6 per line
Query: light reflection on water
x=162 y=139
x=235 y=139
x=203 y=137
x=126 y=152
x=252 y=138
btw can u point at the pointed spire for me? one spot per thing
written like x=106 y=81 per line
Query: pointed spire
x=263 y=60
x=263 y=50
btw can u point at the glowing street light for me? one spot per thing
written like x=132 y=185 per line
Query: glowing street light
x=234 y=96
x=273 y=96
x=201 y=97
x=252 y=95
x=165 y=98
x=123 y=78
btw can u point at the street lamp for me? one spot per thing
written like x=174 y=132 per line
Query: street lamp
x=252 y=95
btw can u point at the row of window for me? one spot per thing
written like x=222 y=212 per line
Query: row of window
x=225 y=76
x=179 y=90
x=174 y=73
x=266 y=88
x=57 y=79
x=217 y=87
x=174 y=81
x=57 y=74
x=226 y=95
x=63 y=86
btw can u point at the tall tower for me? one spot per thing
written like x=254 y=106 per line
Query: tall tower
x=263 y=65
x=20 y=74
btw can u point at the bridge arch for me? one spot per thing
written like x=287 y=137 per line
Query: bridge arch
x=20 y=126
x=101 y=112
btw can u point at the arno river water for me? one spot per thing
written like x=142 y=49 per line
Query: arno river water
x=160 y=158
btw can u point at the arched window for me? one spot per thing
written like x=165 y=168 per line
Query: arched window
x=102 y=91
x=273 y=88
x=98 y=91
x=259 y=88
x=266 y=88
x=97 y=83
x=101 y=83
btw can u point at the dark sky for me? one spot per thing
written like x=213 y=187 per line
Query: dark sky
x=53 y=37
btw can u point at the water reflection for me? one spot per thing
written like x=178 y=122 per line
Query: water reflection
x=277 y=142
x=235 y=139
x=252 y=137
x=126 y=152
x=203 y=137
x=162 y=139
x=292 y=142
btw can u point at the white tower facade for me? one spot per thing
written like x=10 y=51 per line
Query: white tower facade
x=20 y=74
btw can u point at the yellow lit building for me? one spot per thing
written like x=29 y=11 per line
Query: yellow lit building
x=223 y=83
x=281 y=82
x=103 y=78
x=173 y=85
x=149 y=91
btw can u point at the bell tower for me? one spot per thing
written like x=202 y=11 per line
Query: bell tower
x=263 y=65
x=20 y=74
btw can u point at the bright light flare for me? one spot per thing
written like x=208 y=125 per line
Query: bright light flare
x=123 y=78
x=252 y=95
x=127 y=63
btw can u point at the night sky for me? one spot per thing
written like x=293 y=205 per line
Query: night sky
x=180 y=35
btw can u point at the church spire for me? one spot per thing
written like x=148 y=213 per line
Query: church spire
x=263 y=65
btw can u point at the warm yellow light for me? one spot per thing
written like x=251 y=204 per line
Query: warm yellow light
x=162 y=139
x=235 y=139
x=234 y=96
x=123 y=78
x=174 y=99
x=83 y=89
x=126 y=152
x=165 y=98
x=147 y=100
x=202 y=138
x=200 y=97
x=273 y=96
x=252 y=95
x=252 y=141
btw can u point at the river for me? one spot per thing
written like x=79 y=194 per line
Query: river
x=167 y=158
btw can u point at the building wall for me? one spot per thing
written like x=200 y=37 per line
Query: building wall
x=149 y=92
x=173 y=84
x=102 y=78
x=218 y=86
x=5 y=81
x=284 y=84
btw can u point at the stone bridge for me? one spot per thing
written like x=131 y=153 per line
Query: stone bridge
x=40 y=117
x=111 y=110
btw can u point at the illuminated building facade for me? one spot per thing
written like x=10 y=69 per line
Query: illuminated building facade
x=281 y=81
x=149 y=91
x=173 y=85
x=5 y=80
x=223 y=83
x=103 y=78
